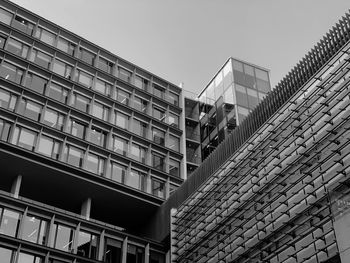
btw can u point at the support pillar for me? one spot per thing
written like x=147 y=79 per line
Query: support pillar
x=86 y=208
x=16 y=186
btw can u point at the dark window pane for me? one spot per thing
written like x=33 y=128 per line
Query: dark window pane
x=87 y=245
x=113 y=251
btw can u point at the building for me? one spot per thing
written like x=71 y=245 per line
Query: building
x=277 y=189
x=233 y=92
x=90 y=146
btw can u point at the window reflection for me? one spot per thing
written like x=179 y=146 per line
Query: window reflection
x=9 y=222
x=11 y=72
x=29 y=258
x=87 y=245
x=6 y=254
x=63 y=237
x=34 y=229
x=118 y=172
x=16 y=47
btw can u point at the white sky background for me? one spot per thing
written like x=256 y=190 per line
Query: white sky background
x=189 y=40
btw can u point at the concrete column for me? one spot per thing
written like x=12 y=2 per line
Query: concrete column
x=86 y=208
x=101 y=246
x=124 y=249
x=51 y=237
x=147 y=254
x=16 y=186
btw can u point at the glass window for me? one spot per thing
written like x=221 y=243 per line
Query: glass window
x=158 y=188
x=136 y=180
x=63 y=237
x=24 y=138
x=158 y=91
x=35 y=82
x=158 y=161
x=7 y=100
x=73 y=155
x=34 y=229
x=159 y=114
x=135 y=254
x=23 y=25
x=123 y=96
x=30 y=109
x=140 y=128
x=141 y=82
x=45 y=36
x=173 y=98
x=120 y=145
x=77 y=129
x=237 y=65
x=83 y=78
x=121 y=120
x=95 y=164
x=173 y=120
x=11 y=72
x=138 y=153
x=40 y=58
x=2 y=41
x=9 y=222
x=242 y=113
x=53 y=119
x=252 y=98
x=100 y=111
x=87 y=245
x=228 y=75
x=57 y=92
x=228 y=96
x=174 y=168
x=103 y=87
x=113 y=251
x=174 y=143
x=49 y=147
x=80 y=102
x=124 y=74
x=98 y=136
x=118 y=172
x=156 y=257
x=5 y=128
x=28 y=258
x=158 y=136
x=5 y=254
x=65 y=46
x=241 y=96
x=87 y=56
x=105 y=65
x=62 y=68
x=219 y=86
x=140 y=104
x=5 y=16
x=17 y=48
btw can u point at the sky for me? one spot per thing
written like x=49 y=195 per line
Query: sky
x=187 y=41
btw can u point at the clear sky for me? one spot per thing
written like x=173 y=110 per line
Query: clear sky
x=189 y=40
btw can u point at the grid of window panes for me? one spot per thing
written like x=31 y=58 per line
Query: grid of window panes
x=104 y=108
x=81 y=239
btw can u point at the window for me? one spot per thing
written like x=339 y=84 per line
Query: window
x=121 y=120
x=113 y=251
x=24 y=138
x=173 y=98
x=118 y=172
x=76 y=128
x=5 y=16
x=136 y=180
x=95 y=164
x=62 y=68
x=159 y=114
x=23 y=25
x=9 y=222
x=34 y=229
x=100 y=111
x=49 y=147
x=53 y=118
x=158 y=136
x=135 y=254
x=73 y=155
x=40 y=58
x=140 y=104
x=83 y=78
x=241 y=95
x=173 y=120
x=156 y=257
x=158 y=161
x=123 y=96
x=120 y=145
x=2 y=42
x=158 y=91
x=65 y=46
x=174 y=168
x=5 y=128
x=80 y=102
x=29 y=258
x=45 y=36
x=105 y=65
x=57 y=92
x=98 y=136
x=30 y=109
x=17 y=48
x=35 y=82
x=174 y=143
x=87 y=56
x=63 y=237
x=141 y=82
x=103 y=87
x=5 y=254
x=11 y=72
x=158 y=188
x=124 y=74
x=138 y=153
x=7 y=100
x=140 y=128
x=242 y=113
x=252 y=98
x=87 y=245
